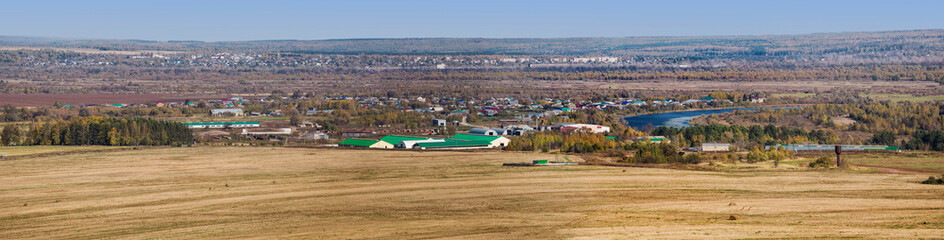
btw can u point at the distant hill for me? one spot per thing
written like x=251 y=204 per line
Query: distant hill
x=913 y=42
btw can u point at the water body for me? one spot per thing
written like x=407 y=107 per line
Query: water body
x=675 y=119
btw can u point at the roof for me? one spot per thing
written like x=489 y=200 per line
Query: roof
x=482 y=131
x=358 y=142
x=454 y=143
x=716 y=144
x=219 y=123
x=824 y=147
x=394 y=139
x=470 y=137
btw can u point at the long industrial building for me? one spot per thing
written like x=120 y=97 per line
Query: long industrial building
x=819 y=147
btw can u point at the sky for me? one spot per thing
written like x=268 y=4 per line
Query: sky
x=238 y=20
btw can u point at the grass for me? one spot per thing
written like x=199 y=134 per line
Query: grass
x=903 y=97
x=905 y=163
x=31 y=150
x=796 y=95
x=230 y=192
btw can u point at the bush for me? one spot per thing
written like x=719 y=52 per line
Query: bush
x=823 y=162
x=757 y=155
x=661 y=153
x=932 y=180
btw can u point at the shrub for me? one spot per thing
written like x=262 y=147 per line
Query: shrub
x=933 y=180
x=823 y=162
x=661 y=153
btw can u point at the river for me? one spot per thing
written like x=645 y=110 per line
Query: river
x=674 y=119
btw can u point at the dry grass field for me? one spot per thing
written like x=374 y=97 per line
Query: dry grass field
x=265 y=193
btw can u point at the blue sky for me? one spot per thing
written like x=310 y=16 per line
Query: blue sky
x=213 y=20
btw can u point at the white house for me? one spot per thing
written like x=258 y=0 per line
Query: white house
x=221 y=111
x=570 y=127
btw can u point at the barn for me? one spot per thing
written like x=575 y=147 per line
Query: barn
x=484 y=131
x=407 y=142
x=493 y=141
x=715 y=147
x=364 y=143
x=222 y=124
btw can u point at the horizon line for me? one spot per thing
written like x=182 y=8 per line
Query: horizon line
x=487 y=38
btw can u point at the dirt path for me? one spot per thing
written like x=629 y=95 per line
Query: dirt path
x=464 y=123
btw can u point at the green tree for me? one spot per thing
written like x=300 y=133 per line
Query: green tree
x=113 y=137
x=10 y=135
x=884 y=138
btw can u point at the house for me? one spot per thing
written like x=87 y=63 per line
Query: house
x=364 y=143
x=222 y=111
x=493 y=141
x=758 y=99
x=571 y=127
x=518 y=130
x=356 y=133
x=439 y=122
x=483 y=131
x=315 y=136
x=222 y=125
x=313 y=111
x=715 y=147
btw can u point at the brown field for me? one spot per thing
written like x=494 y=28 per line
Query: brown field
x=207 y=192
x=86 y=50
x=48 y=100
x=764 y=86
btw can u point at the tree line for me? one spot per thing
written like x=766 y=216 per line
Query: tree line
x=744 y=136
x=99 y=131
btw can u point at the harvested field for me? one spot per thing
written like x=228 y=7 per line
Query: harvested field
x=228 y=192
x=929 y=163
x=41 y=150
x=767 y=86
x=47 y=100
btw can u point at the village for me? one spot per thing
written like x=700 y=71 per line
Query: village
x=498 y=118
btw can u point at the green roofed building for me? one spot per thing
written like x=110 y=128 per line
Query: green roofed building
x=494 y=141
x=454 y=144
x=222 y=124
x=395 y=140
x=364 y=143
x=826 y=147
x=653 y=139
